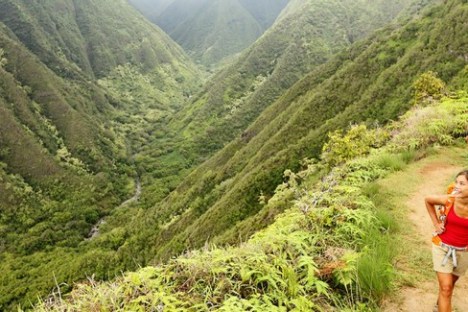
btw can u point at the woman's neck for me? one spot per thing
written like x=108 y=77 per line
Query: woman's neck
x=461 y=201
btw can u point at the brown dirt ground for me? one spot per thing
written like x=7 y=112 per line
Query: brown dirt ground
x=423 y=296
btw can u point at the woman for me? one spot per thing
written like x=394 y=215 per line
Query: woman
x=450 y=242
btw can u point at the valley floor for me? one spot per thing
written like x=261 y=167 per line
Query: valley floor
x=420 y=292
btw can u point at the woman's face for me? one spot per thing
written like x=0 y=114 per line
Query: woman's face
x=461 y=184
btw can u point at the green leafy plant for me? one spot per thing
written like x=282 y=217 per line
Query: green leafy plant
x=428 y=88
x=357 y=141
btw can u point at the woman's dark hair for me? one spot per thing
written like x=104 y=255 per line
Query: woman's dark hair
x=463 y=173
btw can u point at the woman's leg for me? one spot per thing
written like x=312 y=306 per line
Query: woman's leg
x=446 y=284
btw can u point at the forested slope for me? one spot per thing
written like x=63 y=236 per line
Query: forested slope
x=305 y=35
x=64 y=158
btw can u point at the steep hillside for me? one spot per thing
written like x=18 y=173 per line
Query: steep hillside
x=213 y=30
x=265 y=12
x=371 y=82
x=83 y=33
x=64 y=147
x=62 y=166
x=334 y=248
x=140 y=67
x=219 y=28
x=305 y=35
x=236 y=96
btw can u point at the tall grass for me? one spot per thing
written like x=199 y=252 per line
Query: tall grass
x=391 y=162
x=375 y=273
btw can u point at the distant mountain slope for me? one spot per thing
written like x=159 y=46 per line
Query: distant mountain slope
x=178 y=12
x=371 y=82
x=71 y=78
x=220 y=28
x=305 y=35
x=212 y=30
x=96 y=37
x=265 y=12
x=151 y=8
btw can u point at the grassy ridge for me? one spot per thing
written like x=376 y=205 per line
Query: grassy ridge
x=288 y=51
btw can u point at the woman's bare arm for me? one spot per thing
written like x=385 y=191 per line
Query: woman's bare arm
x=431 y=201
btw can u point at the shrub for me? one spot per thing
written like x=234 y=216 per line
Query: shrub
x=428 y=88
x=358 y=141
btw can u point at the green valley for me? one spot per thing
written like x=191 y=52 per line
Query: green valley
x=238 y=171
x=65 y=153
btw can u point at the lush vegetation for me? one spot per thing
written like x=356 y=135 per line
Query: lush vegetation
x=219 y=200
x=332 y=249
x=92 y=96
x=237 y=95
x=65 y=156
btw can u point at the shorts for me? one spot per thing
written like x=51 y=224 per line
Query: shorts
x=438 y=254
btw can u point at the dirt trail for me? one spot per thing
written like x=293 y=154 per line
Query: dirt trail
x=423 y=297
